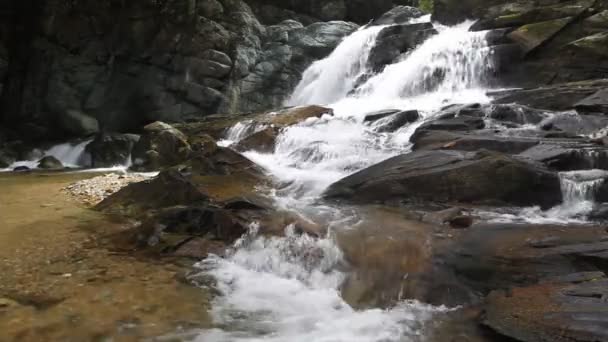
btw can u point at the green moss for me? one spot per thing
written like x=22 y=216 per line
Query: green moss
x=426 y=5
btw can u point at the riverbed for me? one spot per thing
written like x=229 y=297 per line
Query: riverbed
x=66 y=278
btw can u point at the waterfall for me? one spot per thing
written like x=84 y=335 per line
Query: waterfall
x=70 y=154
x=578 y=191
x=449 y=67
x=288 y=288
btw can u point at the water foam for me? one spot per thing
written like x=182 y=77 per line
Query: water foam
x=288 y=289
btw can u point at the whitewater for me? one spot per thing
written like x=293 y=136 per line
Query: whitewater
x=288 y=288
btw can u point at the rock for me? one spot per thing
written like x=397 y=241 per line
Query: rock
x=400 y=120
x=442 y=216
x=594 y=44
x=50 y=162
x=78 y=123
x=514 y=113
x=567 y=156
x=398 y=15
x=531 y=36
x=381 y=114
x=434 y=140
x=22 y=169
x=574 y=124
x=292 y=116
x=161 y=145
x=555 y=97
x=109 y=150
x=169 y=188
x=201 y=68
x=394 y=40
x=262 y=141
x=514 y=15
x=461 y=222
x=600 y=211
x=596 y=103
x=494 y=256
x=461 y=123
x=551 y=311
x=451 y=176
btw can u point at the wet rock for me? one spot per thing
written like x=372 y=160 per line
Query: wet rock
x=161 y=145
x=596 y=103
x=566 y=156
x=600 y=211
x=381 y=114
x=461 y=123
x=574 y=124
x=514 y=113
x=398 y=15
x=394 y=40
x=555 y=97
x=551 y=311
x=462 y=221
x=442 y=216
x=399 y=120
x=109 y=150
x=435 y=140
x=448 y=176
x=262 y=141
x=500 y=255
x=50 y=163
x=169 y=188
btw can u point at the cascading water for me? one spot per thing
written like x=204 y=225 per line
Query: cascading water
x=69 y=154
x=312 y=155
x=578 y=200
x=287 y=288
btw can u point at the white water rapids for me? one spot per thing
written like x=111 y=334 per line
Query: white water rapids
x=288 y=289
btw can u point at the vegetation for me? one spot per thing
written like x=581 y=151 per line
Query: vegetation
x=426 y=5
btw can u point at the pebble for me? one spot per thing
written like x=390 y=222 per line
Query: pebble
x=94 y=190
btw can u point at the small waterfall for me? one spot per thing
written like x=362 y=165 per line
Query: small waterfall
x=578 y=190
x=71 y=154
x=287 y=289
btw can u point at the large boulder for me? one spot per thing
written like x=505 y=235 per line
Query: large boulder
x=596 y=103
x=398 y=15
x=567 y=308
x=169 y=188
x=394 y=40
x=452 y=176
x=161 y=145
x=564 y=96
x=50 y=163
x=109 y=150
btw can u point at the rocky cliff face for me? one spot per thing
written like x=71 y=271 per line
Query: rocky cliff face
x=77 y=67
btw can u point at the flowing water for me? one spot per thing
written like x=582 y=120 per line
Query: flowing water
x=288 y=288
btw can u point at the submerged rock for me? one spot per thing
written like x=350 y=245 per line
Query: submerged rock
x=452 y=176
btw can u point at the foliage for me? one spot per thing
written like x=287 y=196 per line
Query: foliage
x=426 y=5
